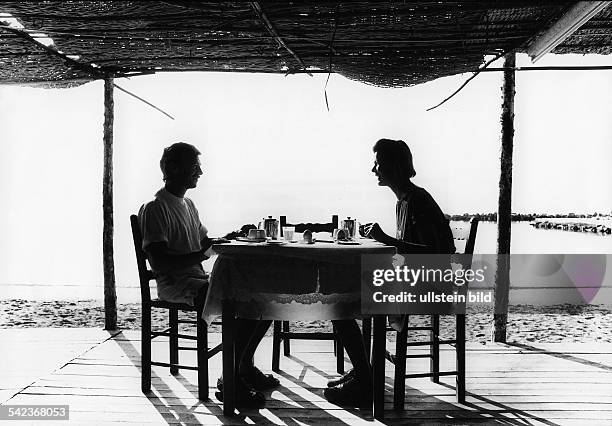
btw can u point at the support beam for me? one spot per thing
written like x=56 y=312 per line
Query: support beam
x=578 y=15
x=266 y=22
x=504 y=210
x=110 y=294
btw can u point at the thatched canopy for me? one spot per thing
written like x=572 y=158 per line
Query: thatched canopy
x=388 y=43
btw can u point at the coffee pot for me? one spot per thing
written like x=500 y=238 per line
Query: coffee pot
x=271 y=226
x=350 y=225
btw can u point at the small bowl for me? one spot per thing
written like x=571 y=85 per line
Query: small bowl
x=257 y=234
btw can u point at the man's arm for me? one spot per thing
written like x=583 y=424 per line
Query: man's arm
x=162 y=261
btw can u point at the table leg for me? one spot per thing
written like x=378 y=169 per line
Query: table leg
x=378 y=366
x=228 y=326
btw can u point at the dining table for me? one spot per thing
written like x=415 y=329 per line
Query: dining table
x=281 y=280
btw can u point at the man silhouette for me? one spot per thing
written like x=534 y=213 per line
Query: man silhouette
x=176 y=242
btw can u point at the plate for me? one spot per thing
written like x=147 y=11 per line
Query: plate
x=349 y=243
x=250 y=240
x=276 y=242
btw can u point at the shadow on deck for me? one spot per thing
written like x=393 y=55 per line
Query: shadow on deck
x=98 y=374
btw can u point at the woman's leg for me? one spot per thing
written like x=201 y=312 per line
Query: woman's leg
x=350 y=335
x=258 y=329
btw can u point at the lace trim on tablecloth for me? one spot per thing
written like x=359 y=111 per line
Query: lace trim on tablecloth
x=302 y=299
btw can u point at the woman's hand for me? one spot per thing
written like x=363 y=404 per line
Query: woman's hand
x=374 y=231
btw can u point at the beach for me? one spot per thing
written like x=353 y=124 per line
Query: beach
x=526 y=323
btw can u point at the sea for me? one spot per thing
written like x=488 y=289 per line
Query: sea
x=525 y=240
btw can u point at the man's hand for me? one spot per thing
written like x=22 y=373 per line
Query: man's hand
x=220 y=241
x=206 y=243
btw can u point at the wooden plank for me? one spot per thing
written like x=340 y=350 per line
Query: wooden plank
x=597 y=363
x=37 y=352
x=131 y=371
x=322 y=409
x=113 y=403
x=280 y=394
x=553 y=393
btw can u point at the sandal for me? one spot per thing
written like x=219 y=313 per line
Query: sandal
x=259 y=380
x=245 y=395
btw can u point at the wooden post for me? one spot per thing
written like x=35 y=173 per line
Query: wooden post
x=504 y=210
x=110 y=294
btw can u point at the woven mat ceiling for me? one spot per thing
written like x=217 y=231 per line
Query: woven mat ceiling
x=390 y=44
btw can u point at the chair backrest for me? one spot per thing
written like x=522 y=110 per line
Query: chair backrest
x=314 y=227
x=144 y=273
x=464 y=237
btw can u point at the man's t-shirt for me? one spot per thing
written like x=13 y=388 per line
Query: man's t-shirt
x=175 y=221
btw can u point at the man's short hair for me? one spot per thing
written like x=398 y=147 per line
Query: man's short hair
x=176 y=154
x=397 y=156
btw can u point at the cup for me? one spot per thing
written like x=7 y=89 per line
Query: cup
x=288 y=232
x=307 y=236
x=340 y=235
x=257 y=234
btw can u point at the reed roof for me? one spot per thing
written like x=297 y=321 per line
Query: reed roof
x=386 y=43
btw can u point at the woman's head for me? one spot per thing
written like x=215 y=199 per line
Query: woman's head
x=393 y=165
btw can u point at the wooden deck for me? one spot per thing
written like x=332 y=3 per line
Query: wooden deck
x=97 y=374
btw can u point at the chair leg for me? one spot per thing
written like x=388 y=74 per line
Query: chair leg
x=276 y=339
x=145 y=349
x=286 y=340
x=202 y=333
x=366 y=330
x=399 y=381
x=378 y=366
x=174 y=357
x=339 y=353
x=460 y=356
x=434 y=349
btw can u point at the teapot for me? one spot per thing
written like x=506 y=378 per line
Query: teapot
x=271 y=226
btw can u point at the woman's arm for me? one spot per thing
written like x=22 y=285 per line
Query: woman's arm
x=376 y=232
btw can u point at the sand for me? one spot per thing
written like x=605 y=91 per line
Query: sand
x=544 y=324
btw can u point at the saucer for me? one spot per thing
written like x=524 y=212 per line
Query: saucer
x=349 y=243
x=276 y=242
x=250 y=240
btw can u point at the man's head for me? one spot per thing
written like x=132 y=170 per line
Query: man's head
x=393 y=165
x=180 y=165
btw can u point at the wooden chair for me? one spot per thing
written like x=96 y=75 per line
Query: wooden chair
x=203 y=352
x=281 y=328
x=465 y=238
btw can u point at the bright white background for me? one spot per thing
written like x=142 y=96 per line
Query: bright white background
x=270 y=147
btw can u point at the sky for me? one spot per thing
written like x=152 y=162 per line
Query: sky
x=270 y=146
